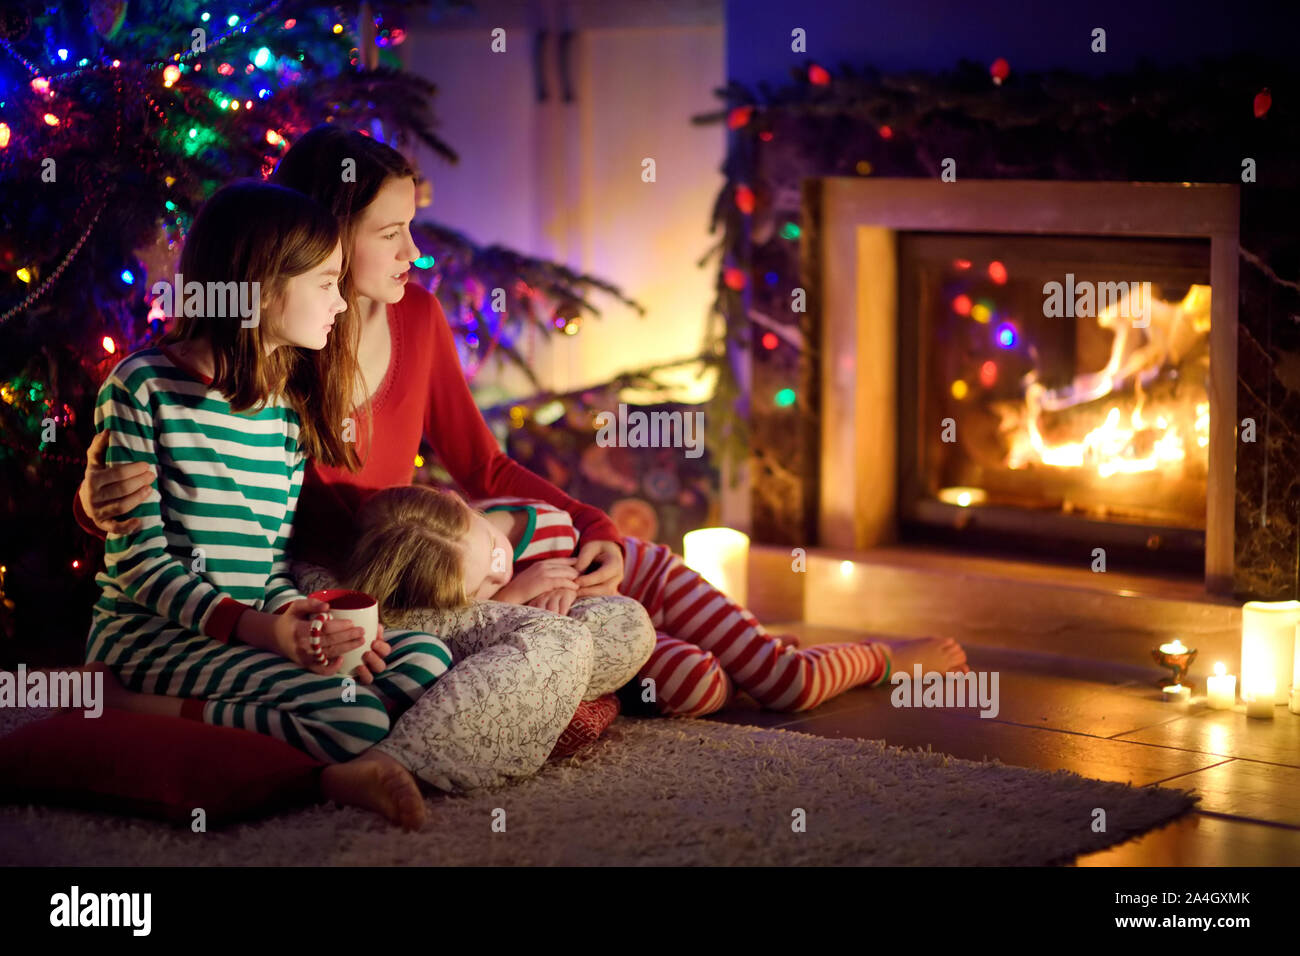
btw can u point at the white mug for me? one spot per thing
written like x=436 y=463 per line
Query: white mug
x=359 y=608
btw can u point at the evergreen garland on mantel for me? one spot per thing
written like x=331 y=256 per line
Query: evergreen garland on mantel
x=1154 y=124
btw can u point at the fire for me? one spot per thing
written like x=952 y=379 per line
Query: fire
x=1154 y=434
x=1114 y=446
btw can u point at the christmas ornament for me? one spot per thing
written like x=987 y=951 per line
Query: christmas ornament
x=108 y=16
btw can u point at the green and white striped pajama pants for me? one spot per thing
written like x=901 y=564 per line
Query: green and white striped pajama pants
x=234 y=685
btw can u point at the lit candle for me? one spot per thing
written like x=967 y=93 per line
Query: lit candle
x=1267 y=644
x=721 y=556
x=1173 y=647
x=1295 y=670
x=1259 y=698
x=1221 y=689
x=962 y=496
x=1176 y=693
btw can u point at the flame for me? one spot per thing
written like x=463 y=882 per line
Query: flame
x=1144 y=440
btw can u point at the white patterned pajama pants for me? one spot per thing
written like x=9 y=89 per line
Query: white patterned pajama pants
x=517 y=678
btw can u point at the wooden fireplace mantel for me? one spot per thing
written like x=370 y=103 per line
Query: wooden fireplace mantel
x=860 y=220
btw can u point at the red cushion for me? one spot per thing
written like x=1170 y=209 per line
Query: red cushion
x=151 y=766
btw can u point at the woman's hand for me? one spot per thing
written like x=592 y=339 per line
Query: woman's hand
x=605 y=559
x=539 y=579
x=558 y=601
x=107 y=492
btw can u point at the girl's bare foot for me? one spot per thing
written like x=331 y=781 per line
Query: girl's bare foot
x=375 y=781
x=941 y=654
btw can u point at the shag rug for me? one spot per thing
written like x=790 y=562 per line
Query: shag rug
x=656 y=792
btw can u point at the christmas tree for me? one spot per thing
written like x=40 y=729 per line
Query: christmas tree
x=118 y=119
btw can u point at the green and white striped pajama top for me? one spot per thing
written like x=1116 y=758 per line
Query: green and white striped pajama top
x=212 y=545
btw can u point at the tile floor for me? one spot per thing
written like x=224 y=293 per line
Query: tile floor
x=1102 y=723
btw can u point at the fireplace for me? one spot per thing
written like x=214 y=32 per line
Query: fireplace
x=966 y=403
x=1055 y=389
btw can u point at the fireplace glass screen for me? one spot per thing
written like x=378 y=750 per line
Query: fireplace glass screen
x=1053 y=393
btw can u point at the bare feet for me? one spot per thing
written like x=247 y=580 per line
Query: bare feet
x=375 y=781
x=941 y=654
x=789 y=640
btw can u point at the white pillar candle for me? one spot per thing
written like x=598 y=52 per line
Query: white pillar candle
x=1268 y=631
x=1221 y=689
x=721 y=556
x=1295 y=667
x=1259 y=699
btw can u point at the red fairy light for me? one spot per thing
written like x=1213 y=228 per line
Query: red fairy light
x=1263 y=100
x=745 y=200
x=739 y=116
x=989 y=374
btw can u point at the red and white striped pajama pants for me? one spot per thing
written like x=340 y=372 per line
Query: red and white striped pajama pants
x=705 y=642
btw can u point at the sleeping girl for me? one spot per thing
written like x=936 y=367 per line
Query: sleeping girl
x=419 y=548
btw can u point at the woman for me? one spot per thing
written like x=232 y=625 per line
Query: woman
x=410 y=384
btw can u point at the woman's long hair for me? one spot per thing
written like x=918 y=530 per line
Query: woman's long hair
x=410 y=551
x=255 y=232
x=316 y=165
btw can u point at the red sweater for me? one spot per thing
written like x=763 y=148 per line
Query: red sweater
x=423 y=394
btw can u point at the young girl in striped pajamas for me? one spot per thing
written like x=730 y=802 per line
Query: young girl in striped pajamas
x=520 y=551
x=198 y=614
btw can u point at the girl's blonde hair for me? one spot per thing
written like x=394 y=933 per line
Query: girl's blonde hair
x=256 y=232
x=410 y=551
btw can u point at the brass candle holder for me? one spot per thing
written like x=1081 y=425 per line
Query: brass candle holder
x=1176 y=657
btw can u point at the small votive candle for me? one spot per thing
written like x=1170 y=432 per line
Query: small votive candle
x=1176 y=693
x=1259 y=699
x=962 y=496
x=1221 y=689
x=1173 y=647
